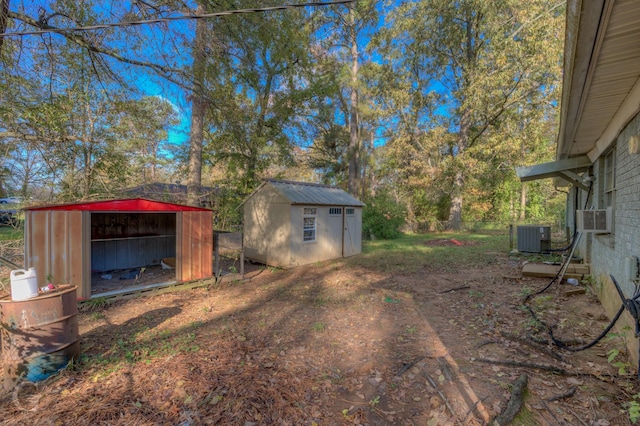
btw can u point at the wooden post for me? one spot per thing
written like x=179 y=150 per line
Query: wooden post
x=242 y=257
x=216 y=255
x=511 y=237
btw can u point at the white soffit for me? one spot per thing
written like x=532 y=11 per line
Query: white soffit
x=602 y=92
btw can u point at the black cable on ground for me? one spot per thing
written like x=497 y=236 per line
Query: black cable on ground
x=562 y=345
x=553 y=280
x=557 y=341
x=634 y=308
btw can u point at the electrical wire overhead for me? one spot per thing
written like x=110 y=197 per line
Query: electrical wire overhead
x=173 y=18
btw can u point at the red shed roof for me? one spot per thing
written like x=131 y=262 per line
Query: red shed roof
x=128 y=205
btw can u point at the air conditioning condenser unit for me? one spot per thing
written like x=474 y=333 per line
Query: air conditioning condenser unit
x=534 y=238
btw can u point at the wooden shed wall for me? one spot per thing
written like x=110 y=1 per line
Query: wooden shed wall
x=194 y=256
x=57 y=244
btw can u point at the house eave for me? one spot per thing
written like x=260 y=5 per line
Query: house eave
x=601 y=85
x=567 y=169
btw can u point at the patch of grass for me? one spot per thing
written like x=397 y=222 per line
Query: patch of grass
x=374 y=401
x=96 y=304
x=476 y=294
x=96 y=316
x=412 y=329
x=411 y=252
x=525 y=417
x=539 y=258
x=319 y=327
x=525 y=291
x=146 y=345
x=533 y=324
x=543 y=302
x=10 y=233
x=320 y=301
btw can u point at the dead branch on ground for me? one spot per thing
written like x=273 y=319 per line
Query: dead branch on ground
x=515 y=402
x=567 y=394
x=444 y=398
x=543 y=367
x=407 y=366
x=532 y=345
x=454 y=289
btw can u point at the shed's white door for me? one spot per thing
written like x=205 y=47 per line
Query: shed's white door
x=351 y=235
x=333 y=247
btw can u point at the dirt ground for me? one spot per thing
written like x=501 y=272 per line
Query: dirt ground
x=336 y=344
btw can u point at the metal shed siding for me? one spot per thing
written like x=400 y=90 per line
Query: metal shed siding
x=58 y=240
x=328 y=243
x=131 y=240
x=194 y=256
x=56 y=246
x=273 y=224
x=267 y=227
x=357 y=232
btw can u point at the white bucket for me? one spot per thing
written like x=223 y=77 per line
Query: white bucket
x=24 y=284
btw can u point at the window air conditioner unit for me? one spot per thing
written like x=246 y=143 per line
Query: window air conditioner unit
x=598 y=221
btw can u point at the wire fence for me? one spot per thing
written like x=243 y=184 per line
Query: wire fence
x=11 y=257
x=484 y=227
x=228 y=253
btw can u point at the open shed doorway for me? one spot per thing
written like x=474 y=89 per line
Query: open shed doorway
x=130 y=250
x=83 y=243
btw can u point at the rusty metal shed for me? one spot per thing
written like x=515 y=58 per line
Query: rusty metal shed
x=70 y=241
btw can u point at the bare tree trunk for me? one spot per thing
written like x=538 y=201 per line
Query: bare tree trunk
x=86 y=187
x=523 y=202
x=523 y=190
x=154 y=166
x=455 y=208
x=4 y=12
x=372 y=175
x=353 y=151
x=198 y=110
x=368 y=177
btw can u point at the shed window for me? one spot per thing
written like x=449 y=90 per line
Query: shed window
x=309 y=224
x=350 y=212
x=335 y=211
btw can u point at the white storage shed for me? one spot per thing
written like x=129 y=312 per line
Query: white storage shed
x=288 y=224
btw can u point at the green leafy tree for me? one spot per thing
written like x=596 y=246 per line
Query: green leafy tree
x=141 y=128
x=258 y=85
x=487 y=58
x=348 y=26
x=382 y=217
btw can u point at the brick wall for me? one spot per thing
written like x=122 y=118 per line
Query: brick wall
x=607 y=252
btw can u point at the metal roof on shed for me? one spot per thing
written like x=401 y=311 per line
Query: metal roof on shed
x=313 y=193
x=127 y=205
